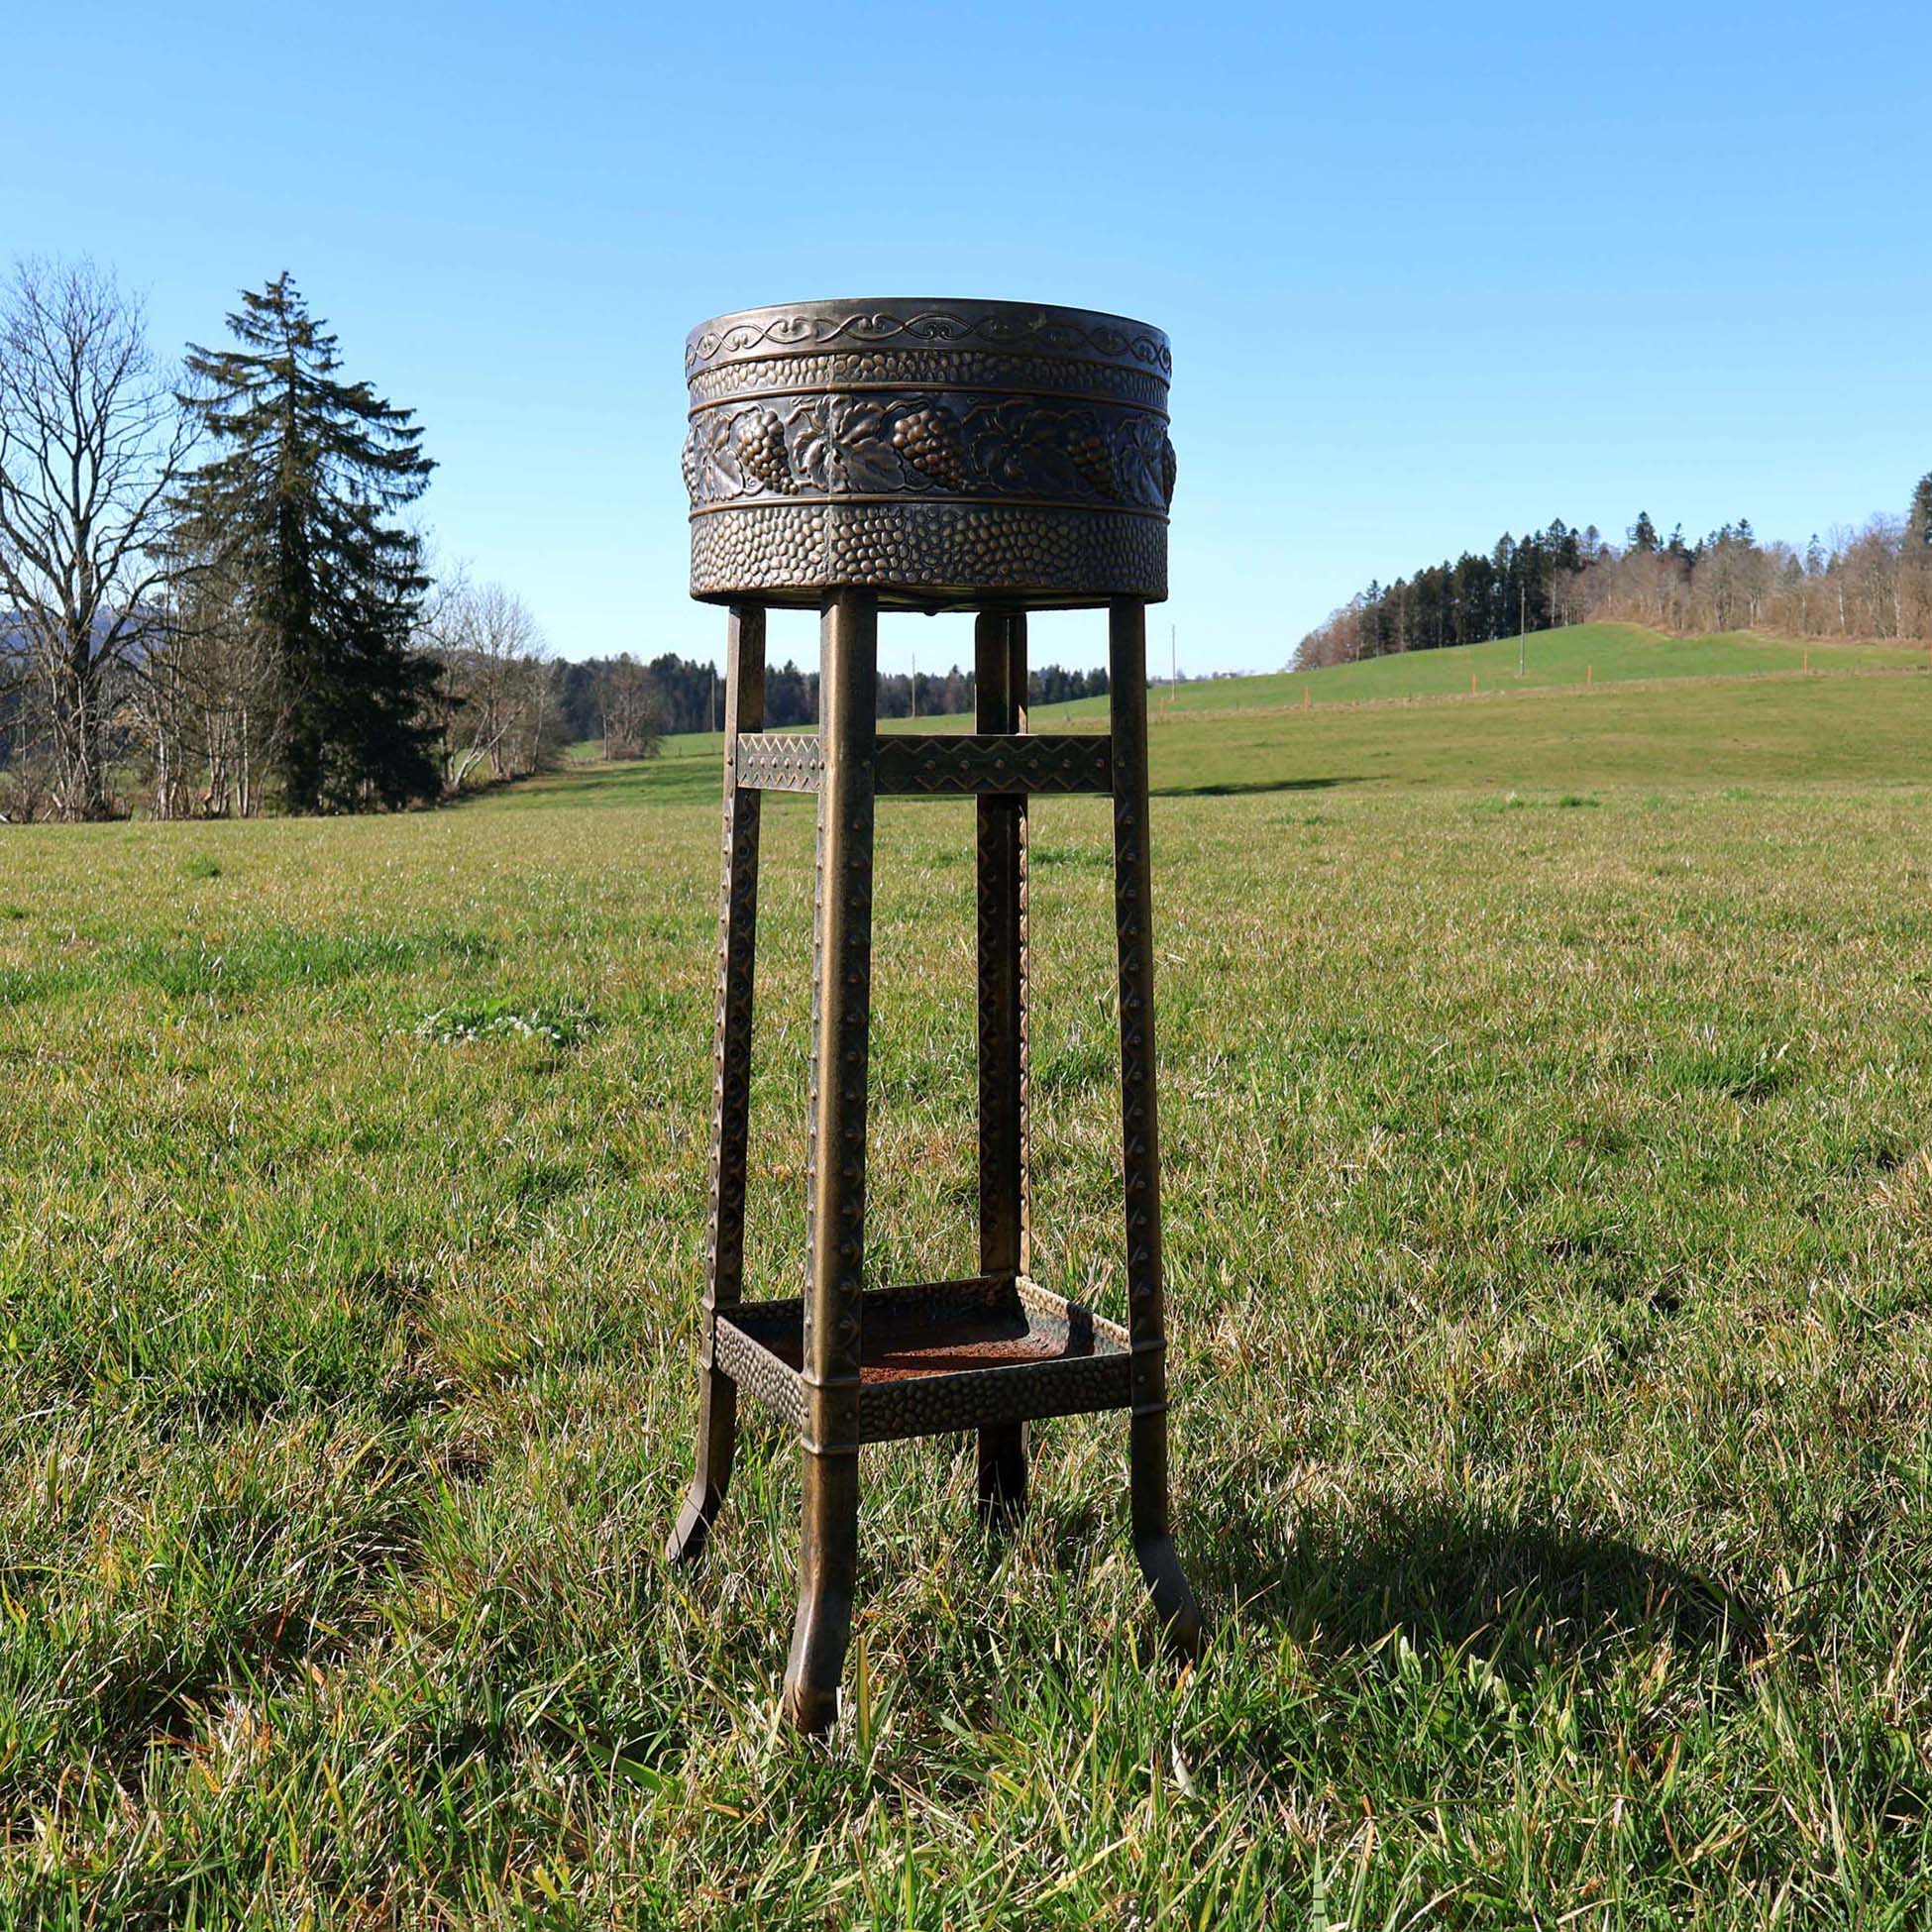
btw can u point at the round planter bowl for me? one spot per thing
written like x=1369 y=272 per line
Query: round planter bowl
x=940 y=453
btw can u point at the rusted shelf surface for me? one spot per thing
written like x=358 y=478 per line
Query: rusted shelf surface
x=942 y=1356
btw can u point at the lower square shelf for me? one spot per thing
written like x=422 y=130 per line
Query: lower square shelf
x=942 y=1356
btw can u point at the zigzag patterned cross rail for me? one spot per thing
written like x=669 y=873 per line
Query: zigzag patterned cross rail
x=993 y=762
x=939 y=765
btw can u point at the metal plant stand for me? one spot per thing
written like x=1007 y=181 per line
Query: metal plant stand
x=926 y=455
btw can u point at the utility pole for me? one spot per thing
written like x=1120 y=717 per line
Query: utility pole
x=1522 y=626
x=915 y=686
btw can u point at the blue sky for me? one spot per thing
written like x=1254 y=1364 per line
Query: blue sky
x=1429 y=271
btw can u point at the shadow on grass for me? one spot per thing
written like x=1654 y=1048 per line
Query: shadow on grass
x=1516 y=1591
x=1241 y=787
x=697 y=780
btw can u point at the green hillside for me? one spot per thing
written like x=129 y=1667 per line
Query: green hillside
x=1661 y=712
x=1601 y=653
x=1580 y=655
x=1731 y=732
x=1606 y=654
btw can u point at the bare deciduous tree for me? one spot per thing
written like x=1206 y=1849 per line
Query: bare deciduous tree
x=493 y=690
x=91 y=442
x=211 y=704
x=628 y=701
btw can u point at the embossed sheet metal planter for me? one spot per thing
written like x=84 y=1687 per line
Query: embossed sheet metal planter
x=927 y=454
x=931 y=451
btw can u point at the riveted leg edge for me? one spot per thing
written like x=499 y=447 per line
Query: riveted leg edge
x=1000 y=683
x=724 y=1257
x=1175 y=1607
x=841 y=995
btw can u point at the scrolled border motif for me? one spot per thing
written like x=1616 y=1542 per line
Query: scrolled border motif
x=1112 y=337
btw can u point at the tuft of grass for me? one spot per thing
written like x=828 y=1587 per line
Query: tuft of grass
x=502 y=1018
x=200 y=866
x=20 y=984
x=1083 y=858
x=1741 y=1070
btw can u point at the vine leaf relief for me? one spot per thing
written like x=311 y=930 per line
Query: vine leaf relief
x=844 y=444
x=917 y=445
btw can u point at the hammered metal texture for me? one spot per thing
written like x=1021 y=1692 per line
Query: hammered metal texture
x=756 y=1371
x=995 y=761
x=939 y=1405
x=931 y=450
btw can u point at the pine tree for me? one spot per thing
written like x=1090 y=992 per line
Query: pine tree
x=298 y=500
x=1642 y=535
x=1914 y=594
x=1918 y=520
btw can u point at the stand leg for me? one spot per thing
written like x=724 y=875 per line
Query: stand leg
x=724 y=1257
x=1174 y=1604
x=1000 y=668
x=841 y=998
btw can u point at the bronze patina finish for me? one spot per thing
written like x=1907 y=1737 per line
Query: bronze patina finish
x=936 y=452
x=927 y=454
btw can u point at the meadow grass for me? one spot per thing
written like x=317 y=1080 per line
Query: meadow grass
x=1546 y=1096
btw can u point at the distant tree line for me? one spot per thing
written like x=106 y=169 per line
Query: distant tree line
x=1871 y=582
x=684 y=695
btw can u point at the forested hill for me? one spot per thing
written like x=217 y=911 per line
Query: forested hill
x=1873 y=581
x=688 y=695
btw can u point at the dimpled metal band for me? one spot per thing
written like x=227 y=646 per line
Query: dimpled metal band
x=932 y=450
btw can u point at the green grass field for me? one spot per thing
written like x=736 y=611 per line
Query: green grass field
x=1546 y=1088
